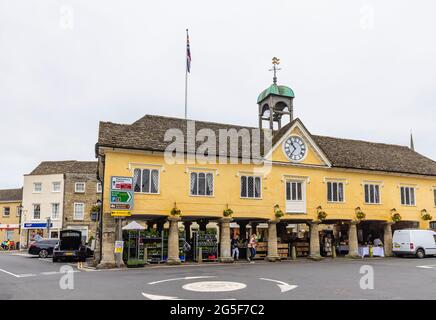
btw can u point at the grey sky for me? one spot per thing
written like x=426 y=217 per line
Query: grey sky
x=360 y=69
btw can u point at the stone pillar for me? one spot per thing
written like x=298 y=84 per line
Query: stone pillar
x=173 y=241
x=107 y=243
x=314 y=253
x=243 y=229
x=387 y=241
x=203 y=225
x=187 y=225
x=225 y=250
x=352 y=241
x=272 y=241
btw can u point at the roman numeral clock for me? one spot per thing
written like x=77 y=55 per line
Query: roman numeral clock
x=295 y=148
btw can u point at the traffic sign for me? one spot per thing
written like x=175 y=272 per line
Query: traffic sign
x=122 y=183
x=120 y=213
x=122 y=196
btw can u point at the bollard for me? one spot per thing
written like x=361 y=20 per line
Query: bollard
x=146 y=255
x=334 y=252
x=200 y=255
x=293 y=253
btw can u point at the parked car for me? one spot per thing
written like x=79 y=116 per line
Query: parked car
x=419 y=243
x=42 y=248
x=70 y=246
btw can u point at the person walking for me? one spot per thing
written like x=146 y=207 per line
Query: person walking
x=235 y=248
x=252 y=244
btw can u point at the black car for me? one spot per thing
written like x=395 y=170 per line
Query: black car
x=70 y=246
x=42 y=248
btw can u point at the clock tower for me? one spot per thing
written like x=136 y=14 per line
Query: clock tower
x=275 y=102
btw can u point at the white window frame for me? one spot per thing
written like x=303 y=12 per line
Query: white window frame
x=297 y=206
x=74 y=211
x=150 y=181
x=4 y=212
x=98 y=187
x=373 y=184
x=58 y=213
x=246 y=176
x=53 y=186
x=434 y=196
x=79 y=183
x=33 y=211
x=34 y=187
x=205 y=184
x=332 y=181
x=410 y=204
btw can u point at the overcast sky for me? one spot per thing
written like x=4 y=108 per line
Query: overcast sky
x=360 y=69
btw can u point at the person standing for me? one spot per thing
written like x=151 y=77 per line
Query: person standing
x=235 y=248
x=252 y=244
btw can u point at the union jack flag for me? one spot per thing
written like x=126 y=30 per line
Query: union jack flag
x=188 y=53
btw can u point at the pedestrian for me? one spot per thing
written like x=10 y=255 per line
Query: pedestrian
x=235 y=248
x=252 y=244
x=377 y=242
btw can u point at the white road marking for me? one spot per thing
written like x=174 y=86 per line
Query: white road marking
x=156 y=297
x=431 y=266
x=185 y=278
x=26 y=275
x=214 y=286
x=10 y=273
x=284 y=287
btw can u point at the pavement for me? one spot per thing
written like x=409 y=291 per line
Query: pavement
x=26 y=277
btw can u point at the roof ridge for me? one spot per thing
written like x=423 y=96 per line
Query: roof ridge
x=182 y=119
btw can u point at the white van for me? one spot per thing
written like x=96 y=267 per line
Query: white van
x=416 y=242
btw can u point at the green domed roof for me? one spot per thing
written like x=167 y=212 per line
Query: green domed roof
x=276 y=90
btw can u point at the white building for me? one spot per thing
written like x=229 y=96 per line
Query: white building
x=42 y=199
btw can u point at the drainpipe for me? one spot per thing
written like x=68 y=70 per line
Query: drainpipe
x=100 y=232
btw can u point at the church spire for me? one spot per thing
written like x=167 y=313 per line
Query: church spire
x=412 y=145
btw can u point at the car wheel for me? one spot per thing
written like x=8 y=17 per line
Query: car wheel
x=43 y=253
x=420 y=253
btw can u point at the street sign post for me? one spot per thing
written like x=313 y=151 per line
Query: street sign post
x=121 y=192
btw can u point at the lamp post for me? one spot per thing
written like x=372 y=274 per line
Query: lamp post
x=98 y=233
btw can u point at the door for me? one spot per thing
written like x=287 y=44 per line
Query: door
x=295 y=196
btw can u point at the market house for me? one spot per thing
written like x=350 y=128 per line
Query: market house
x=310 y=192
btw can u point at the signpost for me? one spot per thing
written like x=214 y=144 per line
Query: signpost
x=121 y=202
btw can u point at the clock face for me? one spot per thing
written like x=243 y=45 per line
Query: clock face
x=295 y=148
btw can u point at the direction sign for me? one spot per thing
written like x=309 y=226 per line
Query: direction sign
x=121 y=193
x=122 y=183
x=120 y=213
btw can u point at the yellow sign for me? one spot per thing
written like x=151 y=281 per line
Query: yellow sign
x=121 y=213
x=119 y=245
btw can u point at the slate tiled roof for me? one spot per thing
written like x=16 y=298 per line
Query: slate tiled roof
x=69 y=166
x=11 y=194
x=148 y=134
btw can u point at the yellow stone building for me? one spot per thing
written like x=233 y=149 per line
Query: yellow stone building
x=280 y=176
x=10 y=211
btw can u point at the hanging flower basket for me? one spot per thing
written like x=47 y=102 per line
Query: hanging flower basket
x=228 y=212
x=277 y=212
x=175 y=211
x=322 y=215
x=425 y=215
x=360 y=215
x=395 y=216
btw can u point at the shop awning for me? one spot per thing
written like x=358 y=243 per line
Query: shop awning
x=133 y=226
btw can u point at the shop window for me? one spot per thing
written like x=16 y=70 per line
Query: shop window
x=6 y=211
x=201 y=184
x=37 y=187
x=372 y=193
x=146 y=180
x=79 y=211
x=407 y=196
x=433 y=225
x=79 y=187
x=251 y=187
x=56 y=186
x=55 y=211
x=294 y=191
x=36 y=211
x=335 y=191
